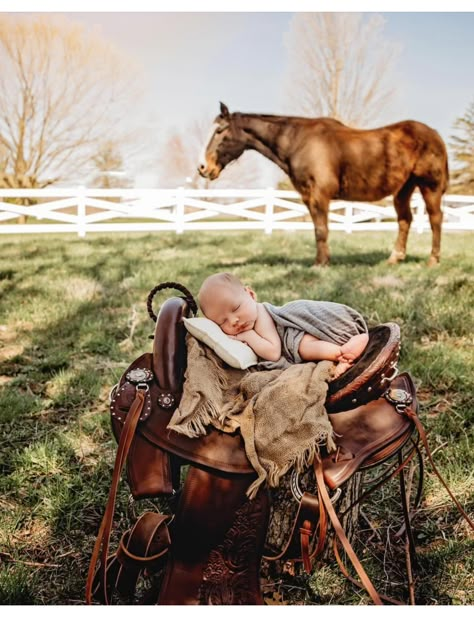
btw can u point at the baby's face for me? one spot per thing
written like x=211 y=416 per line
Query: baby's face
x=233 y=308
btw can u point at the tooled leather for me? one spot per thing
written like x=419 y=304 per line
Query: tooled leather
x=206 y=512
x=231 y=573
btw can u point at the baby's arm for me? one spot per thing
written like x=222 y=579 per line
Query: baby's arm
x=263 y=339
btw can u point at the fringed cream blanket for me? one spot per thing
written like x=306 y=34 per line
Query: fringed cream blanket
x=280 y=413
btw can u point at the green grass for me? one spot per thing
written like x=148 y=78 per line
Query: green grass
x=72 y=318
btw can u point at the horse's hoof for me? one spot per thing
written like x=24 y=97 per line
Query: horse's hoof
x=396 y=257
x=433 y=261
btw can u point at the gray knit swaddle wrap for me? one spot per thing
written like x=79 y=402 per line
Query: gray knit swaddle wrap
x=328 y=321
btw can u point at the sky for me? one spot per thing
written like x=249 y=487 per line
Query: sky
x=194 y=60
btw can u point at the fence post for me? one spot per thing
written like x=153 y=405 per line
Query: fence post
x=348 y=215
x=180 y=210
x=81 y=212
x=269 y=198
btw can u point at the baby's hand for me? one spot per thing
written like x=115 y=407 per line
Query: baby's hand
x=243 y=336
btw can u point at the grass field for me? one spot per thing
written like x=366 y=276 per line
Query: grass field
x=73 y=316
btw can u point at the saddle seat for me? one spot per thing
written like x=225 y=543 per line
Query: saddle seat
x=365 y=433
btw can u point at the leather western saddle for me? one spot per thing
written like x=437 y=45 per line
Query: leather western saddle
x=209 y=551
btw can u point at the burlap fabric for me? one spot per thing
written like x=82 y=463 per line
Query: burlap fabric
x=280 y=413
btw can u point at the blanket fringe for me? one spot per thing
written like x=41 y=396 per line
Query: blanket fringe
x=299 y=462
x=205 y=414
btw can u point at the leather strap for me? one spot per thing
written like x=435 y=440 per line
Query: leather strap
x=402 y=463
x=407 y=525
x=421 y=431
x=302 y=531
x=367 y=583
x=323 y=527
x=103 y=537
x=308 y=557
x=354 y=581
x=149 y=541
x=141 y=549
x=384 y=479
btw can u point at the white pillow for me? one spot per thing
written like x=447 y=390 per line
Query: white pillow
x=233 y=352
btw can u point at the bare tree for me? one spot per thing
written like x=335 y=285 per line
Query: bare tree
x=180 y=156
x=462 y=149
x=109 y=167
x=63 y=92
x=339 y=65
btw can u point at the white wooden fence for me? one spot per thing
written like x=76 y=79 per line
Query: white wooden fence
x=83 y=210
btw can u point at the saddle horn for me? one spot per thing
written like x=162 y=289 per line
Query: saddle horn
x=169 y=352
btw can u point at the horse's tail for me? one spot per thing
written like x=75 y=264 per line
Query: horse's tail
x=446 y=178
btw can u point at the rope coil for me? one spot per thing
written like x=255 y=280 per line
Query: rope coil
x=188 y=297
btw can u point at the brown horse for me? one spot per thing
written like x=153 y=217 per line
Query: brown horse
x=327 y=160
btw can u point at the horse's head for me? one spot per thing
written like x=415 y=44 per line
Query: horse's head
x=225 y=143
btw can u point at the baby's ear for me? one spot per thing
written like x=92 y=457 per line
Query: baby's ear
x=250 y=292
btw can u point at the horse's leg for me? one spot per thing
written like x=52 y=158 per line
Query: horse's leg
x=432 y=200
x=318 y=208
x=401 y=202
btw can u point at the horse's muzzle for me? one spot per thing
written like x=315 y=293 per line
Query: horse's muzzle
x=208 y=173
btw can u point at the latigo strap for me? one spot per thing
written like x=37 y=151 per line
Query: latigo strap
x=103 y=537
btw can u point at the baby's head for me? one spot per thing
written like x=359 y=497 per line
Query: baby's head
x=226 y=301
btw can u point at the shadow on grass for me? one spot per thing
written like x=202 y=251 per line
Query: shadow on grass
x=264 y=259
x=371 y=258
x=349 y=259
x=70 y=502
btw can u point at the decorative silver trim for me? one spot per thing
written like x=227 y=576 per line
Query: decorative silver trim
x=139 y=375
x=166 y=400
x=112 y=393
x=390 y=378
x=399 y=398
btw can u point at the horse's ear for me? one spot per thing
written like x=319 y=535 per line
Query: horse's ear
x=225 y=114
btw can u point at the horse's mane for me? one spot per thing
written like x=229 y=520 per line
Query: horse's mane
x=273 y=118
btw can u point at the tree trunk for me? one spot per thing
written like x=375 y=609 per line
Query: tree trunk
x=280 y=573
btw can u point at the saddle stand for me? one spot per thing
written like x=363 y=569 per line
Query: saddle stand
x=210 y=550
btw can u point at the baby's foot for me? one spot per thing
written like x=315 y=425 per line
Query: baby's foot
x=354 y=347
x=341 y=368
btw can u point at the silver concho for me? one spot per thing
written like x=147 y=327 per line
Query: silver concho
x=398 y=397
x=139 y=375
x=166 y=400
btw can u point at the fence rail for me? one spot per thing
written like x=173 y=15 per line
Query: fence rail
x=84 y=210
